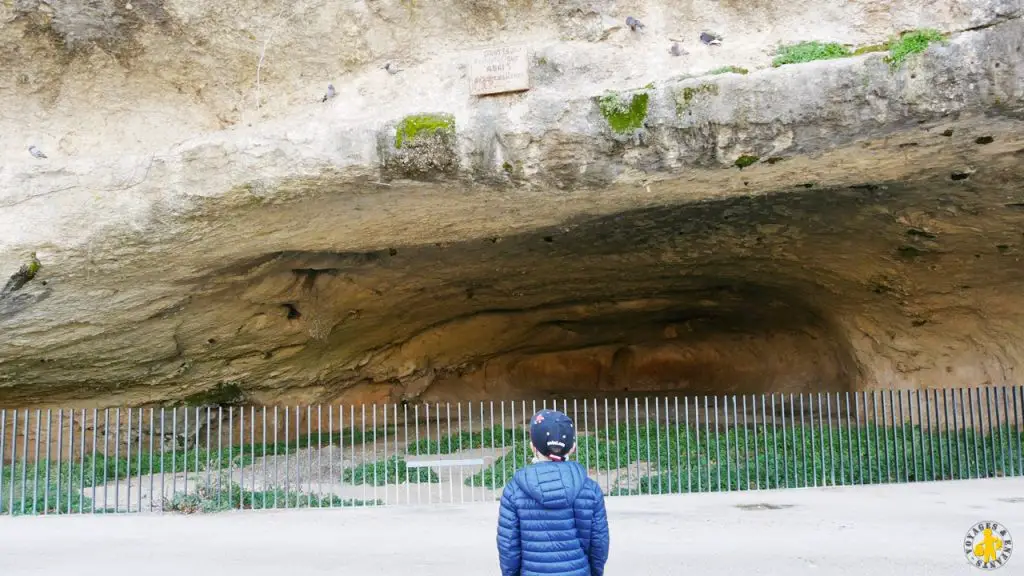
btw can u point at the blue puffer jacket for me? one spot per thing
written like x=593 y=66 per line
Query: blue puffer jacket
x=552 y=522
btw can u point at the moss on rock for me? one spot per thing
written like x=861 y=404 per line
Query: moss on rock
x=686 y=95
x=411 y=126
x=621 y=116
x=745 y=160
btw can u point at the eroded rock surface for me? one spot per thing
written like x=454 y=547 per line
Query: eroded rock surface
x=835 y=225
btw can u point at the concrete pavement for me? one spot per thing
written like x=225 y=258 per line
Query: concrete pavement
x=874 y=530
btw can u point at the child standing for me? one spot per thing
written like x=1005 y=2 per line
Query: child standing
x=552 y=520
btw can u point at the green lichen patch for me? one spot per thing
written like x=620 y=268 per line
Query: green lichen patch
x=23 y=276
x=746 y=160
x=624 y=116
x=808 y=52
x=685 y=96
x=729 y=70
x=412 y=126
x=910 y=43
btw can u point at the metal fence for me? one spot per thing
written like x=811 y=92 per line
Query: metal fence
x=211 y=459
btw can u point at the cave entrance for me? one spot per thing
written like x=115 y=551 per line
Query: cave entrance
x=730 y=338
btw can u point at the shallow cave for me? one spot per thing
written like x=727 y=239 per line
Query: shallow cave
x=882 y=285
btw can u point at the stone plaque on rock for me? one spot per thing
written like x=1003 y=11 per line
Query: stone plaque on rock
x=500 y=69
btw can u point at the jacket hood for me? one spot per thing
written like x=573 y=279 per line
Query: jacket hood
x=552 y=484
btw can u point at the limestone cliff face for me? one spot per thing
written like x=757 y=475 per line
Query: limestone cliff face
x=205 y=227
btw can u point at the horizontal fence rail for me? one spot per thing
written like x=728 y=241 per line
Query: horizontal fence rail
x=220 y=458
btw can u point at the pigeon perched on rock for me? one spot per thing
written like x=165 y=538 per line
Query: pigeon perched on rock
x=330 y=93
x=391 y=68
x=36 y=152
x=634 y=24
x=677 y=50
x=710 y=39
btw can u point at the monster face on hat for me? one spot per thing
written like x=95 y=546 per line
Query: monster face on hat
x=552 y=434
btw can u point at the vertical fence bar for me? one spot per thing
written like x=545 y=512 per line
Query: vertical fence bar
x=775 y=440
x=746 y=444
x=764 y=424
x=267 y=483
x=668 y=447
x=1009 y=467
x=974 y=432
x=860 y=445
x=985 y=430
x=252 y=454
x=462 y=485
x=398 y=481
x=174 y=454
x=385 y=426
x=707 y=440
x=320 y=457
x=405 y=422
x=919 y=441
x=936 y=432
x=298 y=469
x=209 y=449
x=903 y=433
x=803 y=439
x=46 y=471
x=995 y=425
x=71 y=463
x=618 y=459
x=878 y=453
x=636 y=431
x=501 y=408
x=1018 y=394
x=629 y=438
x=885 y=438
x=14 y=461
x=980 y=434
x=891 y=458
x=352 y=443
x=128 y=464
x=785 y=443
x=949 y=442
x=330 y=448
x=686 y=425
x=448 y=435
x=728 y=468
x=288 y=447
x=35 y=463
x=960 y=430
x=931 y=434
x=718 y=451
x=736 y=441
x=184 y=455
x=24 y=466
x=821 y=441
x=993 y=428
x=657 y=434
x=3 y=447
x=839 y=433
x=152 y=455
x=241 y=458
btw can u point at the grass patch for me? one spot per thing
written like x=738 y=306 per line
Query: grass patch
x=695 y=459
x=912 y=43
x=809 y=52
x=212 y=499
x=729 y=70
x=394 y=470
